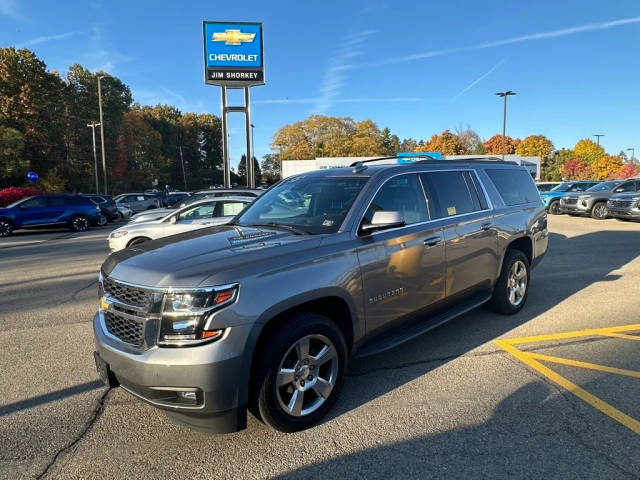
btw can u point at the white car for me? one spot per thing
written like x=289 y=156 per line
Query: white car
x=205 y=213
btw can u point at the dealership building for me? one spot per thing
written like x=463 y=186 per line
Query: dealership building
x=293 y=167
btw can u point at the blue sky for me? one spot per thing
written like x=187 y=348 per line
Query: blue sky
x=416 y=67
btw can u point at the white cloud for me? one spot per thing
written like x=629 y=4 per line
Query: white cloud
x=9 y=8
x=100 y=58
x=498 y=43
x=334 y=77
x=479 y=79
x=45 y=39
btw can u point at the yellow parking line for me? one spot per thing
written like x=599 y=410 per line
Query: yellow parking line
x=590 y=366
x=604 y=407
x=580 y=333
x=621 y=335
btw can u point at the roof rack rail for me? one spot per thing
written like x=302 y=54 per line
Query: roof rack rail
x=394 y=157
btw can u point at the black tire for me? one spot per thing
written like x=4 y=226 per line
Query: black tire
x=554 y=207
x=102 y=220
x=599 y=211
x=500 y=300
x=79 y=223
x=6 y=227
x=117 y=217
x=268 y=399
x=137 y=241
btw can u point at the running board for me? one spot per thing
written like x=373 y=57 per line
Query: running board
x=393 y=338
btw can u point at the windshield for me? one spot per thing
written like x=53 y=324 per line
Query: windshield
x=563 y=187
x=604 y=186
x=310 y=204
x=11 y=205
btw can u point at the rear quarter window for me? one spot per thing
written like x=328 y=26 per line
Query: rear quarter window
x=514 y=185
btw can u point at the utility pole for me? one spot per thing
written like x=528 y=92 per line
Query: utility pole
x=104 y=161
x=598 y=135
x=93 y=126
x=184 y=176
x=504 y=119
x=633 y=152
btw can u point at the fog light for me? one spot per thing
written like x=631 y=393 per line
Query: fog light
x=189 y=396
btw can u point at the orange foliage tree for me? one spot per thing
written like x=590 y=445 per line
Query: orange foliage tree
x=496 y=145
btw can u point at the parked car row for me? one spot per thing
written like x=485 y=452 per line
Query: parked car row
x=600 y=200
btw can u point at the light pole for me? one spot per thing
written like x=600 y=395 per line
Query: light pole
x=252 y=147
x=104 y=161
x=504 y=119
x=184 y=175
x=93 y=126
x=598 y=135
x=633 y=151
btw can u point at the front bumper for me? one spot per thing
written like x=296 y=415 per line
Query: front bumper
x=212 y=371
x=579 y=208
x=119 y=243
x=617 y=212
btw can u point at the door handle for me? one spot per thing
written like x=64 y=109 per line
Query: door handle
x=432 y=241
x=485 y=226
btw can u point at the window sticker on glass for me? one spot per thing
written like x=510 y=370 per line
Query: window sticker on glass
x=451 y=210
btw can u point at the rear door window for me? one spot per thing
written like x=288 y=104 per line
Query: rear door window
x=514 y=185
x=449 y=194
x=35 y=202
x=400 y=194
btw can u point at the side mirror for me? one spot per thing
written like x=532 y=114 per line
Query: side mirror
x=173 y=219
x=383 y=220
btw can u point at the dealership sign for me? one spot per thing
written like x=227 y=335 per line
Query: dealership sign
x=233 y=54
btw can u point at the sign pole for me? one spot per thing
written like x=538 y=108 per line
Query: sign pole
x=251 y=175
x=225 y=141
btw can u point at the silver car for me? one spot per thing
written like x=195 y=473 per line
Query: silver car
x=265 y=312
x=138 y=201
x=201 y=214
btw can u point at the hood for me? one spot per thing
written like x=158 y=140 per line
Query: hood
x=204 y=257
x=625 y=196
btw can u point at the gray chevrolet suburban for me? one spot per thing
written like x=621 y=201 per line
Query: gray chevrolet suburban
x=264 y=313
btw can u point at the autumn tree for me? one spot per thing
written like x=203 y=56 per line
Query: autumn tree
x=367 y=140
x=552 y=166
x=606 y=167
x=446 y=143
x=470 y=141
x=628 y=170
x=588 y=150
x=576 y=169
x=535 y=146
x=498 y=145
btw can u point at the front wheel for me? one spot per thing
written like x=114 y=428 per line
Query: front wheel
x=5 y=228
x=79 y=223
x=511 y=290
x=301 y=372
x=599 y=211
x=554 y=207
x=102 y=220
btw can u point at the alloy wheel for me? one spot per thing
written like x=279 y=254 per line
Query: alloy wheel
x=306 y=375
x=5 y=228
x=600 y=211
x=517 y=283
x=80 y=224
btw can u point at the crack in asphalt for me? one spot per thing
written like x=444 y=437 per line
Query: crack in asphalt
x=69 y=446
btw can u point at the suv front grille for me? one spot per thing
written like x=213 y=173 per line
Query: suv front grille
x=620 y=203
x=137 y=297
x=125 y=327
x=569 y=201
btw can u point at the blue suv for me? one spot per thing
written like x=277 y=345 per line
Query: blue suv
x=75 y=211
x=551 y=199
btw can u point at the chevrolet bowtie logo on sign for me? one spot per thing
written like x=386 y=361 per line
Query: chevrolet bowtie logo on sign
x=233 y=37
x=233 y=54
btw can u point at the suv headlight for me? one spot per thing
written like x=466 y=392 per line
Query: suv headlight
x=186 y=313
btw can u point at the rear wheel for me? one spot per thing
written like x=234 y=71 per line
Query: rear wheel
x=79 y=223
x=301 y=373
x=5 y=228
x=102 y=220
x=554 y=207
x=599 y=211
x=117 y=217
x=511 y=290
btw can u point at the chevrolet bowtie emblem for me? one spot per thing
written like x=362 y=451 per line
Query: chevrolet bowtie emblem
x=233 y=37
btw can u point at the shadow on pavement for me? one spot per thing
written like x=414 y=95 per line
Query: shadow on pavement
x=49 y=397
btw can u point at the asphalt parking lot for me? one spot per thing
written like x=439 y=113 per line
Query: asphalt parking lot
x=454 y=403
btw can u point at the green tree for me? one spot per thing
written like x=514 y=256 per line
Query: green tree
x=13 y=165
x=242 y=170
x=408 y=145
x=271 y=170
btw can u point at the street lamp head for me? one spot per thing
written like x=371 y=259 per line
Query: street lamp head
x=252 y=125
x=505 y=94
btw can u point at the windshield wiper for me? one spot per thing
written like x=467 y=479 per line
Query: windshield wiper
x=289 y=228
